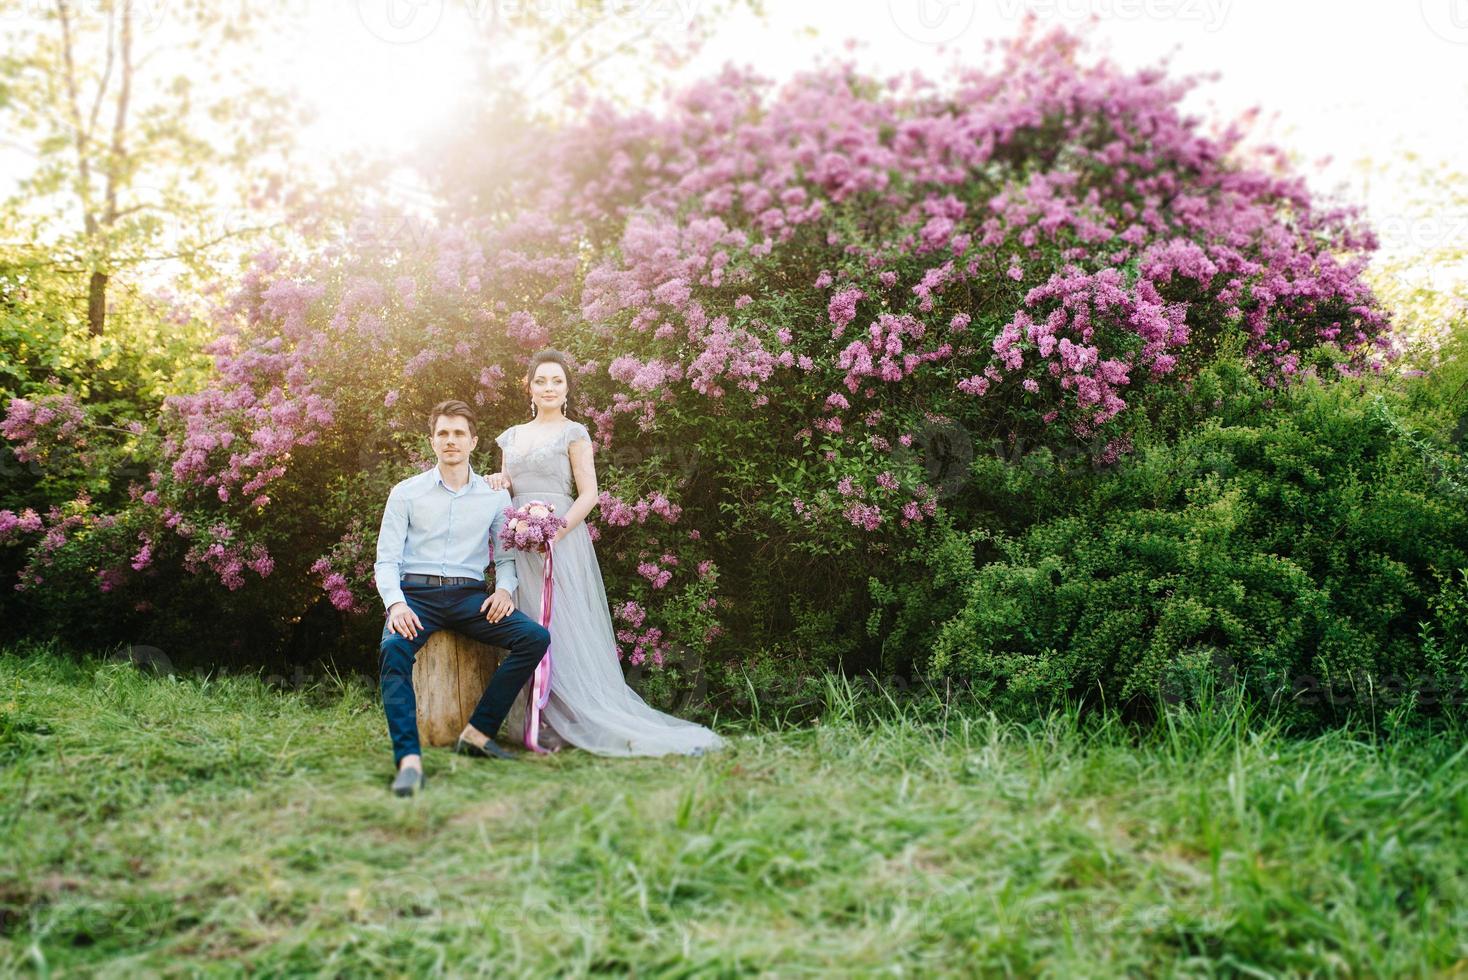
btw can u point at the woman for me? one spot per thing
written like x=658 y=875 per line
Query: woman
x=590 y=705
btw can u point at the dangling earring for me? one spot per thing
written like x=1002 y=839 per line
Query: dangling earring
x=532 y=410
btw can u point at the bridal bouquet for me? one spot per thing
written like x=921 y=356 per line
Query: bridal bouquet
x=532 y=527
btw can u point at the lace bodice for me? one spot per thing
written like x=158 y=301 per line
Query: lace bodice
x=540 y=469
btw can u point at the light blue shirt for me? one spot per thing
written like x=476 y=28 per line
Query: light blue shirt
x=428 y=529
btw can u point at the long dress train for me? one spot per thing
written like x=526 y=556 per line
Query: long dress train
x=590 y=704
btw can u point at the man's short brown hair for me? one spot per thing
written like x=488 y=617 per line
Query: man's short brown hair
x=453 y=407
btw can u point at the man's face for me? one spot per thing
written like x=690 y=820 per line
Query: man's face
x=451 y=440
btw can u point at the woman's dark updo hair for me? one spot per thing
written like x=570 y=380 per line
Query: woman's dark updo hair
x=550 y=356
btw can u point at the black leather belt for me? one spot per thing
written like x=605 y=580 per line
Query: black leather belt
x=416 y=579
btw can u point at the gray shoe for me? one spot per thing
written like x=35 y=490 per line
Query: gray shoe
x=409 y=781
x=490 y=750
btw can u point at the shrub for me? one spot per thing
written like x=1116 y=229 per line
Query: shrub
x=1295 y=552
x=797 y=317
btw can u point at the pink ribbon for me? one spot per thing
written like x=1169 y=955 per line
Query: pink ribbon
x=540 y=684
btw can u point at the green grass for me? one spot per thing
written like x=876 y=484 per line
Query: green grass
x=175 y=826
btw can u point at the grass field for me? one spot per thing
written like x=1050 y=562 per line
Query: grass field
x=177 y=826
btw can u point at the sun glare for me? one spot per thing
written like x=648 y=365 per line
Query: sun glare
x=378 y=83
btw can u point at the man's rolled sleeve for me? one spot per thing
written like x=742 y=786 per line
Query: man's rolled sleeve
x=504 y=558
x=392 y=537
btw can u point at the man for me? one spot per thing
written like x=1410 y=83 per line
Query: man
x=432 y=550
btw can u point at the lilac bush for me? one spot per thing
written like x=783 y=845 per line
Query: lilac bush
x=37 y=428
x=773 y=297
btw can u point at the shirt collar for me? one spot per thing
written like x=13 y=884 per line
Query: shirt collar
x=474 y=478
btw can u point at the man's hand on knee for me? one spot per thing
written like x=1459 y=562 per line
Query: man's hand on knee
x=497 y=606
x=403 y=621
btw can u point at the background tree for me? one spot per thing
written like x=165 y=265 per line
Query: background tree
x=146 y=138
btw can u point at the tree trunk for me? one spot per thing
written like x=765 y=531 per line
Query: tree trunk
x=449 y=677
x=97 y=303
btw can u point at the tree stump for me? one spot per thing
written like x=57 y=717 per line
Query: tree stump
x=449 y=677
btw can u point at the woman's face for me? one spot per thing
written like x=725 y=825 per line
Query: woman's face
x=548 y=386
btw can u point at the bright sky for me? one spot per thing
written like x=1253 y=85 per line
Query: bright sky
x=1344 y=80
x=1348 y=79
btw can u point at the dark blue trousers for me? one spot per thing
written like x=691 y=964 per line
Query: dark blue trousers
x=456 y=607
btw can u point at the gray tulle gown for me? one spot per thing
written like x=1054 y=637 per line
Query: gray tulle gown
x=590 y=705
